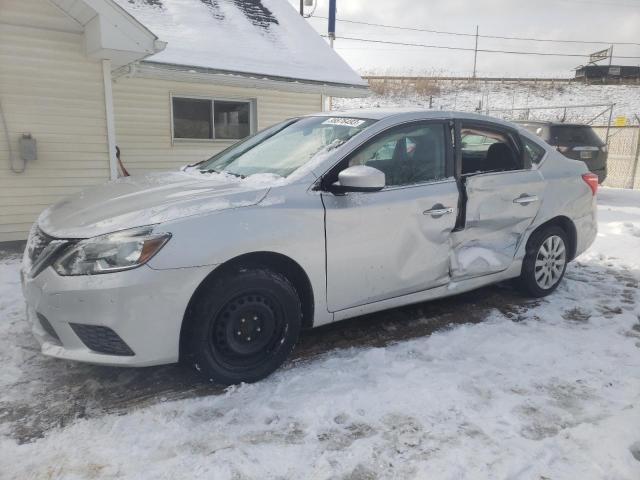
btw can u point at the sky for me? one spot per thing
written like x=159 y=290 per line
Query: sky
x=591 y=20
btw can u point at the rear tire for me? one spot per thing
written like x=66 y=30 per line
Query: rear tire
x=545 y=262
x=243 y=326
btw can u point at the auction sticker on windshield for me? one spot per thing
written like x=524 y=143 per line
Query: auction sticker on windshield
x=347 y=122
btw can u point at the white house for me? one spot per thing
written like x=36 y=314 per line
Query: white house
x=169 y=82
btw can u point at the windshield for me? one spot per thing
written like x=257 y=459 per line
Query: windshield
x=283 y=148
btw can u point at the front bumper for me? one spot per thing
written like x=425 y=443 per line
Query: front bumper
x=143 y=306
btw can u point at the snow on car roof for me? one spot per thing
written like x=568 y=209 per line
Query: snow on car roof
x=263 y=37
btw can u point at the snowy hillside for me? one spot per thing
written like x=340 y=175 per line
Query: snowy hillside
x=466 y=96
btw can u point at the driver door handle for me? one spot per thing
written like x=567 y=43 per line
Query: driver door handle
x=525 y=199
x=438 y=211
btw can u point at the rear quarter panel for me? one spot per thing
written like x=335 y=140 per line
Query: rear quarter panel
x=567 y=194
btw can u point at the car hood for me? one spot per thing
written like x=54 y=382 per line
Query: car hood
x=149 y=199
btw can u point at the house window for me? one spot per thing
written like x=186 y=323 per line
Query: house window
x=206 y=119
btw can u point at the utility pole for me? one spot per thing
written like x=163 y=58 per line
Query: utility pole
x=302 y=8
x=475 y=54
x=332 y=34
x=332 y=22
x=610 y=55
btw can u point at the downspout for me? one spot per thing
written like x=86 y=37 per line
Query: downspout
x=111 y=125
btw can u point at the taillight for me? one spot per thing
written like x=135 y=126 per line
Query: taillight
x=591 y=179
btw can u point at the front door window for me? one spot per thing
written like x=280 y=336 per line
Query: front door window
x=407 y=155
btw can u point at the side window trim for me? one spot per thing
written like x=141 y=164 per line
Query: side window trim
x=449 y=154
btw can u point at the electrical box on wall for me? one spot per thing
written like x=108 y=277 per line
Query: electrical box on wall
x=28 y=148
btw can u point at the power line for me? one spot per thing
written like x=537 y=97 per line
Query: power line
x=463 y=34
x=482 y=50
x=595 y=2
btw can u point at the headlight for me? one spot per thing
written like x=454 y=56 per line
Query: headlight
x=111 y=253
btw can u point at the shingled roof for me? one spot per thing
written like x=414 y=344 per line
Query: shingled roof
x=251 y=37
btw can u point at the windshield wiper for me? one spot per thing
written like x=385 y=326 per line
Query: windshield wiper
x=213 y=170
x=234 y=174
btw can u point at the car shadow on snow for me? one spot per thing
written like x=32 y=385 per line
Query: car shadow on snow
x=54 y=393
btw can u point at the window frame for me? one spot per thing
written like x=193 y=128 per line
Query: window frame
x=253 y=117
x=534 y=166
x=344 y=161
x=511 y=133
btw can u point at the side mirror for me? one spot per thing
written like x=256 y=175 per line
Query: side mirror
x=360 y=178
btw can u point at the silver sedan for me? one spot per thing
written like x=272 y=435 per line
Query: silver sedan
x=311 y=221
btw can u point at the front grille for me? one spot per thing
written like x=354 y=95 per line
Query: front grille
x=102 y=339
x=46 y=325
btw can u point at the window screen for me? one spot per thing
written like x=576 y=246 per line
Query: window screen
x=211 y=119
x=231 y=119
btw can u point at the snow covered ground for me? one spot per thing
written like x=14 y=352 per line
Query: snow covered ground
x=467 y=96
x=551 y=391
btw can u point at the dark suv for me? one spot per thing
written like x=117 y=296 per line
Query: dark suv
x=575 y=141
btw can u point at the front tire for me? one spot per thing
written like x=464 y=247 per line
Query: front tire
x=545 y=262
x=244 y=326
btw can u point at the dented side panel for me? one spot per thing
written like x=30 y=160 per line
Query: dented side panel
x=500 y=207
x=382 y=245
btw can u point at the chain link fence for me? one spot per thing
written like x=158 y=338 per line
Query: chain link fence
x=623 y=167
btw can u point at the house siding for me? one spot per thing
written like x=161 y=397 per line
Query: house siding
x=50 y=89
x=143 y=119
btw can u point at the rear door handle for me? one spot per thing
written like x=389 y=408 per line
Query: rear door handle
x=525 y=199
x=438 y=211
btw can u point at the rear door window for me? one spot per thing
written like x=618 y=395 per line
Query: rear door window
x=487 y=149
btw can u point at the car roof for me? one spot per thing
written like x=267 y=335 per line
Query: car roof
x=398 y=113
x=550 y=124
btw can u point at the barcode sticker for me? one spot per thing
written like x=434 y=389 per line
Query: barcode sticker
x=347 y=122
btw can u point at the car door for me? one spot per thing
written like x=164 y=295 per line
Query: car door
x=503 y=196
x=394 y=241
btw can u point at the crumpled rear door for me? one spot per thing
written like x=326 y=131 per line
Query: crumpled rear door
x=499 y=208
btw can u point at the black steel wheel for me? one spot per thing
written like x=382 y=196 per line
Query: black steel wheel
x=244 y=326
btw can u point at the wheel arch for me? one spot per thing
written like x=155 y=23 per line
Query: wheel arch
x=566 y=224
x=274 y=261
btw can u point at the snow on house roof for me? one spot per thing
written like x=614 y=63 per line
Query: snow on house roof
x=263 y=37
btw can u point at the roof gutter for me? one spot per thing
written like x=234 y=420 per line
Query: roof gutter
x=171 y=72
